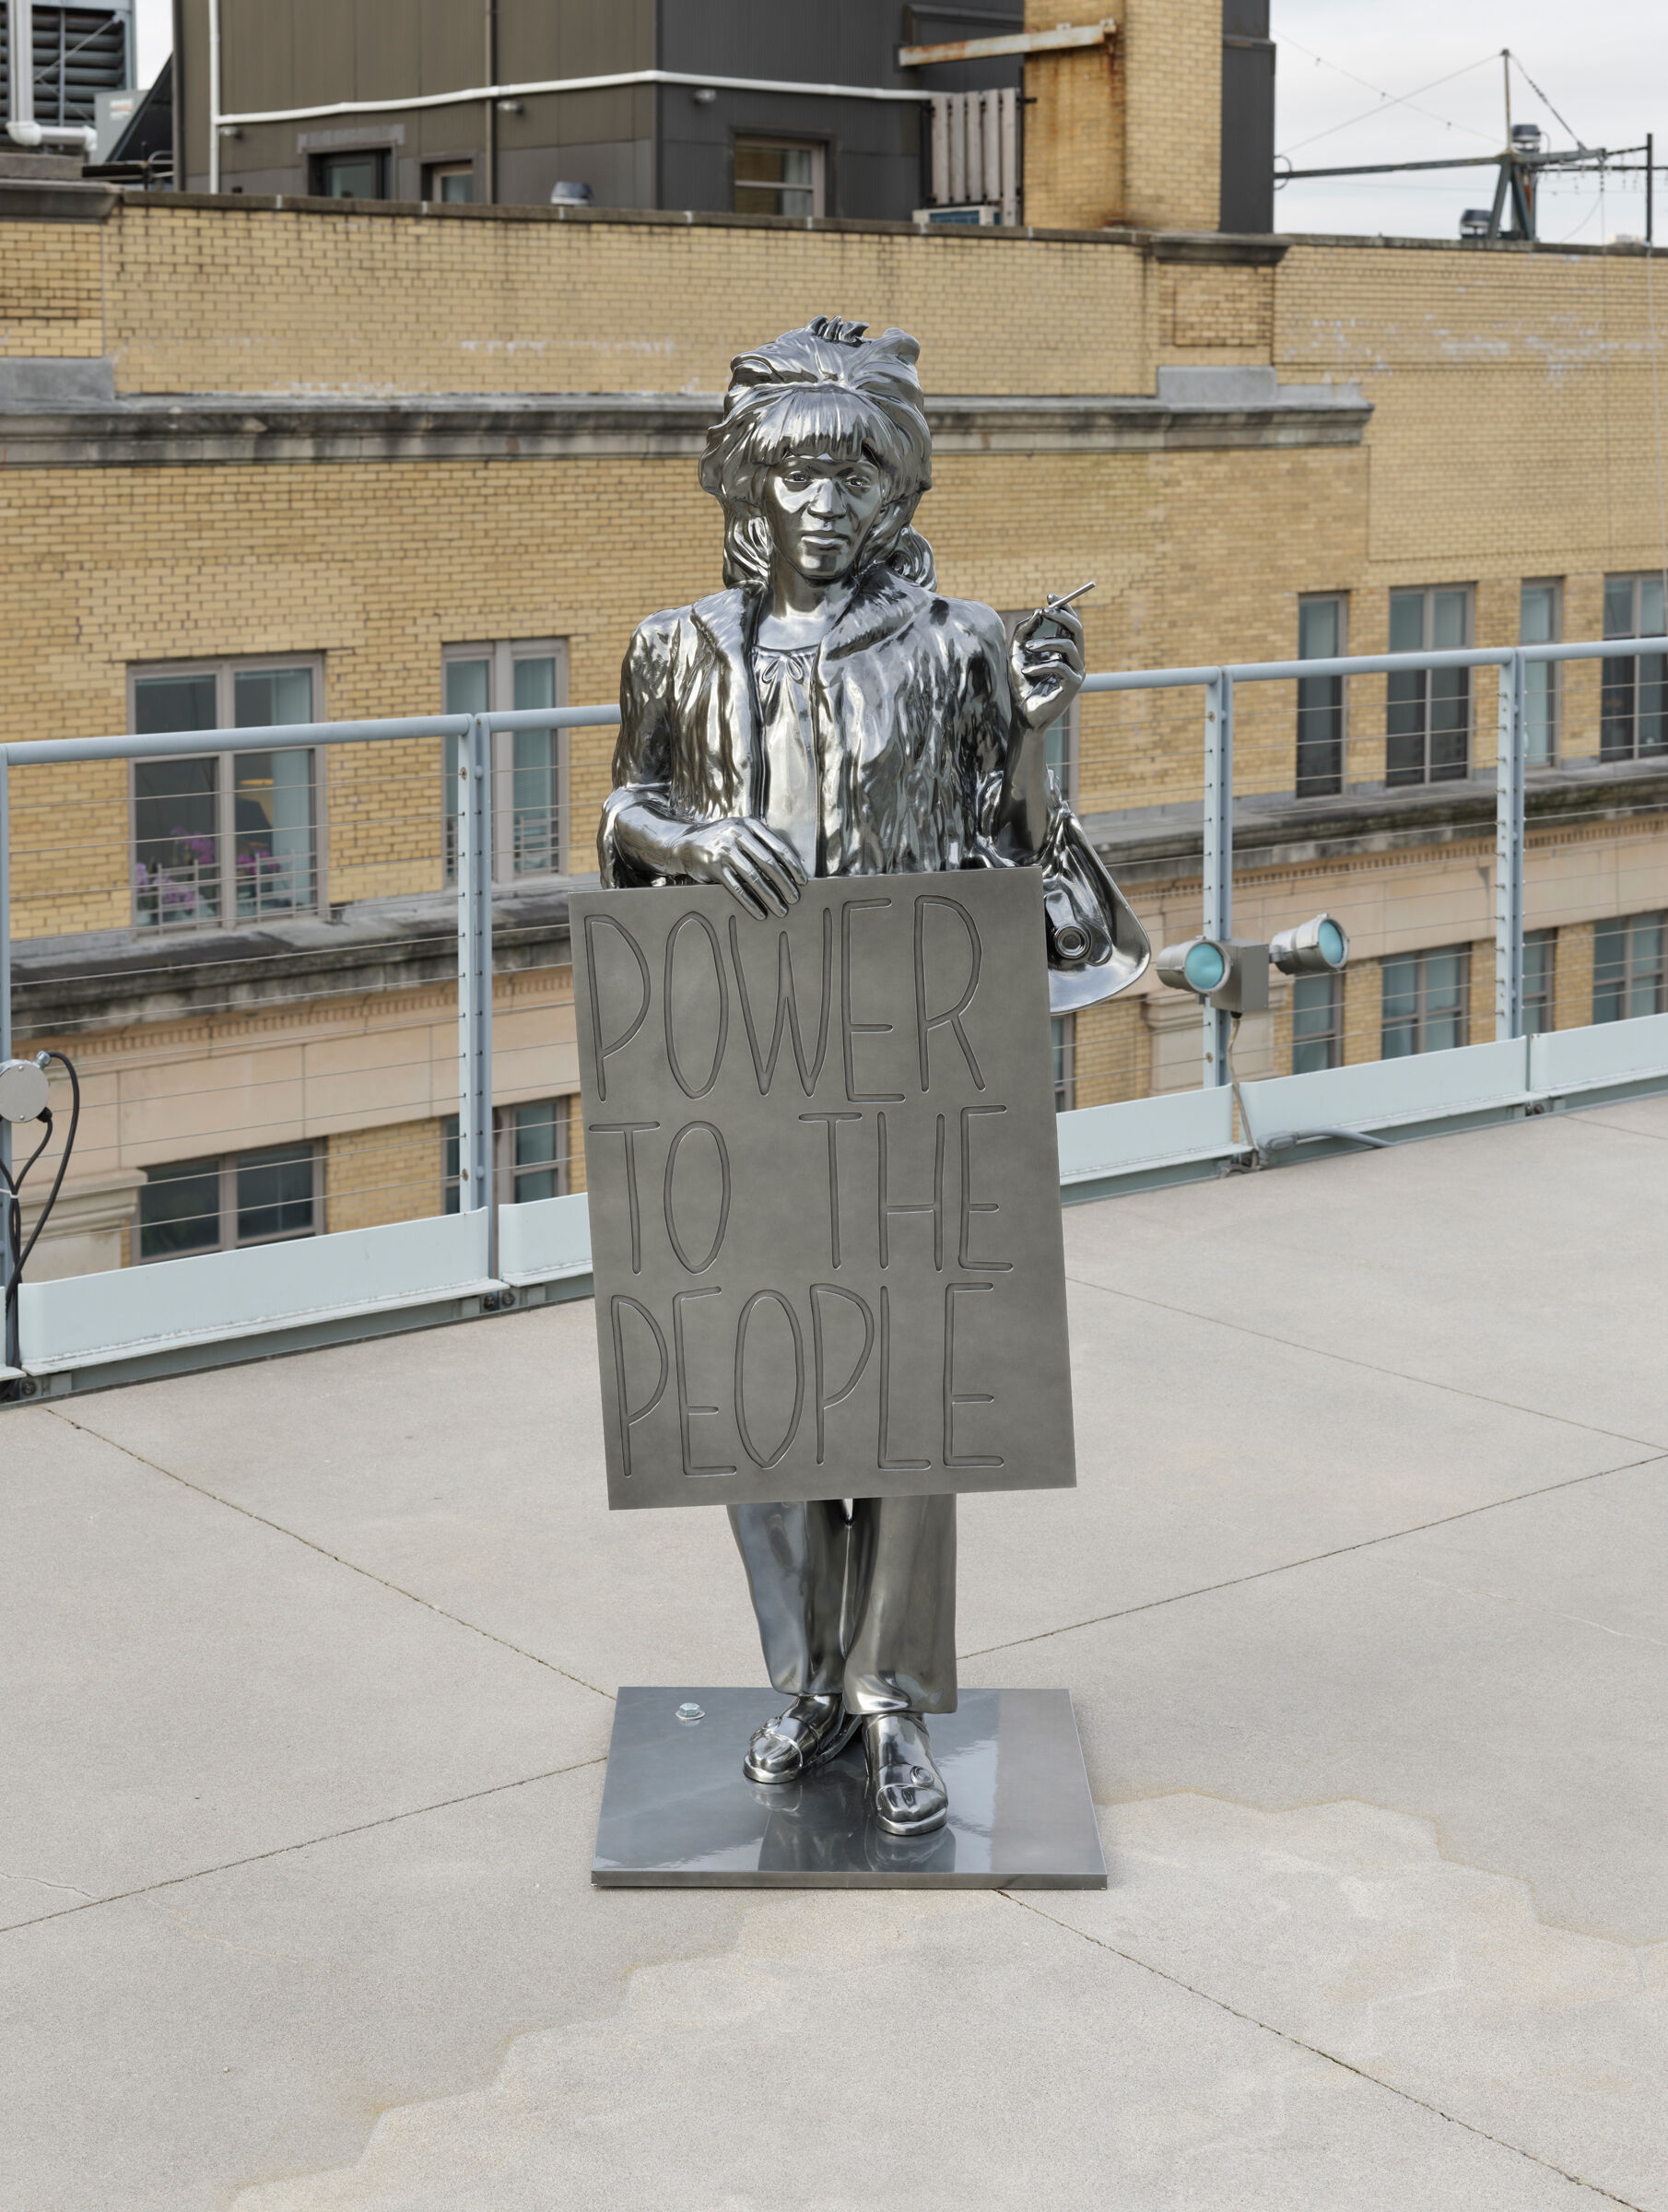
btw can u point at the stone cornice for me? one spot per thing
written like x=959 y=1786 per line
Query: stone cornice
x=244 y=428
x=1161 y=844
x=109 y=979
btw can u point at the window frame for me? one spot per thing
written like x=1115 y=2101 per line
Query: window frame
x=1547 y=997
x=819 y=149
x=227 y=1165
x=506 y=1169
x=319 y=158
x=501 y=656
x=1062 y=1046
x=1398 y=779
x=226 y=673
x=1550 y=673
x=508 y=1172
x=1628 y=925
x=1422 y=958
x=1323 y=787
x=1332 y=1037
x=1633 y=661
x=455 y=165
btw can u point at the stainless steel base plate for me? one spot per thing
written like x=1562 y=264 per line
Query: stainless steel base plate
x=677 y=1811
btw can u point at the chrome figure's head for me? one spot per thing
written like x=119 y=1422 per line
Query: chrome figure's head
x=820 y=456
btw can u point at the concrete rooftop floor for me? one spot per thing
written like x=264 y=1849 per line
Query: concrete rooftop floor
x=1361 y=1599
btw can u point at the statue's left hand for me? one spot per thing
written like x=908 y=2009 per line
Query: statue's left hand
x=1046 y=673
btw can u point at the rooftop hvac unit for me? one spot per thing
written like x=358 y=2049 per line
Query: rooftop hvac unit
x=976 y=154
x=75 y=54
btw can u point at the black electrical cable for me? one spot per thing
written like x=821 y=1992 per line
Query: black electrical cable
x=14 y=1198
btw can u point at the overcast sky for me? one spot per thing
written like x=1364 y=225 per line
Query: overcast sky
x=1603 y=65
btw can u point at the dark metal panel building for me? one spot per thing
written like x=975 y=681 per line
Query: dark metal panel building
x=1247 y=118
x=704 y=146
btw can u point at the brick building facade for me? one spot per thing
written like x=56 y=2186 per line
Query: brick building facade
x=242 y=434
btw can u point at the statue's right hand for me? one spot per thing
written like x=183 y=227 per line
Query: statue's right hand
x=762 y=872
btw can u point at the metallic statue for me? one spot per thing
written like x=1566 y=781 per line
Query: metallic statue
x=829 y=713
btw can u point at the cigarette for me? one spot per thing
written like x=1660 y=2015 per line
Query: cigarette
x=1065 y=598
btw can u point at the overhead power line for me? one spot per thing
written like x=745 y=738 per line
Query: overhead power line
x=1517 y=62
x=1387 y=101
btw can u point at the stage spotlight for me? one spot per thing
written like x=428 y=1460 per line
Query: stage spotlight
x=1317 y=948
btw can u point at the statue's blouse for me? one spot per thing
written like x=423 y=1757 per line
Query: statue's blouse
x=792 y=753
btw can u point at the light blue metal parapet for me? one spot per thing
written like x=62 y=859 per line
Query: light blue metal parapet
x=93 y=1330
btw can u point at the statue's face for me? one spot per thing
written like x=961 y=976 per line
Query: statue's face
x=820 y=507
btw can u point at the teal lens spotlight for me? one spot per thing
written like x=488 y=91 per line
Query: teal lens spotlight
x=1204 y=966
x=1316 y=948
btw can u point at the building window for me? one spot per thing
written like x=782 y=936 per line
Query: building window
x=529 y=767
x=530 y=1144
x=231 y=837
x=1540 y=622
x=218 y=1205
x=1063 y=1036
x=1317 y=1023
x=1321 y=630
x=530 y=1151
x=360 y=173
x=778 y=176
x=1540 y=964
x=1633 y=703
x=1627 y=968
x=1426 y=1001
x=449 y=183
x=1427 y=727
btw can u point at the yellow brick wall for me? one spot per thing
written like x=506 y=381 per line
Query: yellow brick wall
x=1572 y=976
x=1113 y=1054
x=1363 y=1012
x=372 y=1176
x=1074 y=137
x=204 y=298
x=1153 y=114
x=1216 y=315
x=398 y=1172
x=51 y=294
x=1512 y=398
x=71 y=859
x=1513 y=402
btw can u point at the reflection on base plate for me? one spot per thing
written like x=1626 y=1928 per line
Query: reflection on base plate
x=678 y=1811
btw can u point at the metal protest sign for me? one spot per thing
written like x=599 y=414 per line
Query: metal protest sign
x=824 y=1190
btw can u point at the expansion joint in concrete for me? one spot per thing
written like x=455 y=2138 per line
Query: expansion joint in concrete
x=1331 y=2058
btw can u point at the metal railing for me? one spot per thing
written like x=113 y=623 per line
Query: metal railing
x=485 y=1253
x=1219 y=685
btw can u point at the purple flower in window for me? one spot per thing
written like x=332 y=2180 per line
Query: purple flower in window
x=198 y=847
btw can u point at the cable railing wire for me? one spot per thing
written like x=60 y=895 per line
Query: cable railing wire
x=350 y=798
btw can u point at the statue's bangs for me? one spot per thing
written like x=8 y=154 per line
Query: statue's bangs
x=821 y=419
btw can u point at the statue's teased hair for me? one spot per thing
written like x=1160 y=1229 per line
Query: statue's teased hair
x=826 y=389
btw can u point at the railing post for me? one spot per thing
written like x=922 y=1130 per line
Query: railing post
x=1218 y=851
x=475 y=969
x=1509 y=854
x=8 y=1348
